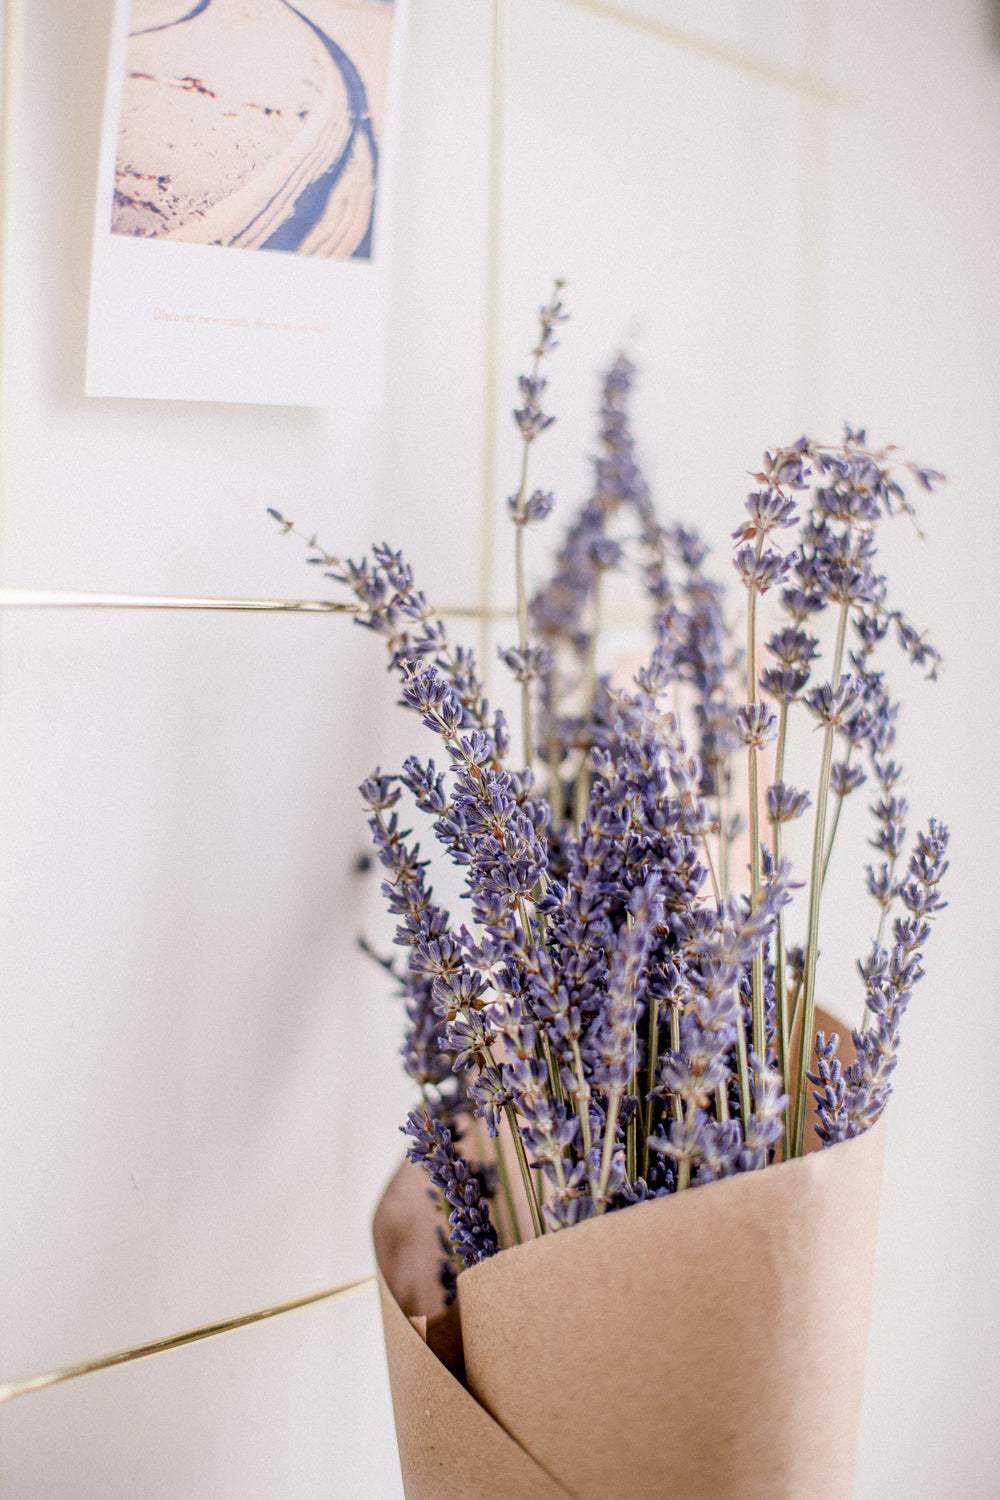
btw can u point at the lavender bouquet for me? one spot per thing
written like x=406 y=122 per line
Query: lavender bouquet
x=621 y=1018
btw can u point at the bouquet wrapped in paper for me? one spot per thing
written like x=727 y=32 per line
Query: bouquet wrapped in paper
x=712 y=1344
x=615 y=1264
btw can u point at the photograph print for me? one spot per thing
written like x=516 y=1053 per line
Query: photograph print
x=254 y=124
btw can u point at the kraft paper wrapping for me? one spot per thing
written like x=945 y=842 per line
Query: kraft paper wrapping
x=706 y=1346
x=450 y=1448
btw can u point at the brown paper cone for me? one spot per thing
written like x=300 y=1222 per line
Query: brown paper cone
x=450 y=1448
x=705 y=1346
x=710 y=1344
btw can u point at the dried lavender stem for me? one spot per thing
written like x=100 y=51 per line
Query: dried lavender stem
x=757 y=968
x=793 y=1019
x=503 y=1173
x=632 y=1128
x=684 y=1165
x=581 y=790
x=711 y=871
x=582 y=1100
x=725 y=842
x=781 y=994
x=555 y=784
x=884 y=917
x=743 y=1070
x=610 y=1131
x=529 y=431
x=779 y=753
x=527 y=735
x=780 y=984
x=815 y=891
x=652 y=1055
x=555 y=1082
x=835 y=823
x=522 y=1162
x=675 y=1046
x=484 y=1148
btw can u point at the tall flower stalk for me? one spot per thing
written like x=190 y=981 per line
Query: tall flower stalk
x=606 y=1001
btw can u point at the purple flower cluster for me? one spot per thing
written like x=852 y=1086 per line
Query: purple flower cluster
x=473 y=1237
x=611 y=1021
x=849 y=1101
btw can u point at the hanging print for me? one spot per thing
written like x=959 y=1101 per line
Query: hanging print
x=254 y=123
x=235 y=126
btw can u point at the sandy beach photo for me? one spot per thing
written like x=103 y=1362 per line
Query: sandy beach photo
x=254 y=123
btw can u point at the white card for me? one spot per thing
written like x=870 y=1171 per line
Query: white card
x=240 y=233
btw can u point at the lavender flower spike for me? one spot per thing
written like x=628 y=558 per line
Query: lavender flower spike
x=617 y=1012
x=614 y=1050
x=473 y=1237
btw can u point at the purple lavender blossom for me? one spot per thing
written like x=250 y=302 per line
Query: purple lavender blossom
x=599 y=999
x=845 y=778
x=784 y=683
x=530 y=418
x=836 y=706
x=529 y=665
x=850 y=1103
x=768 y=510
x=784 y=803
x=535 y=508
x=762 y=570
x=756 y=725
x=473 y=1237
x=792 y=647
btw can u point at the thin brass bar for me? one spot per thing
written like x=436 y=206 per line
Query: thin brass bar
x=498 y=104
x=798 y=80
x=173 y=1341
x=75 y=599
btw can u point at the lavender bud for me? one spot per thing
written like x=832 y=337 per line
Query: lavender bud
x=756 y=725
x=784 y=803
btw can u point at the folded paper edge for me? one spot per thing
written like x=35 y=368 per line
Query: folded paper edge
x=446 y=1438
x=525 y=1408
x=450 y=1443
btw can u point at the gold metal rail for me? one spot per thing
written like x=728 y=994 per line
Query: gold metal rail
x=173 y=1341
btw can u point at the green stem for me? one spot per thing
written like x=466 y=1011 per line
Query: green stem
x=555 y=784
x=711 y=871
x=652 y=1057
x=581 y=790
x=725 y=820
x=582 y=1100
x=527 y=738
x=815 y=892
x=883 y=918
x=632 y=1129
x=834 y=825
x=555 y=1082
x=508 y=1197
x=743 y=1070
x=522 y=1162
x=781 y=1000
x=684 y=1167
x=779 y=754
x=780 y=979
x=793 y=1018
x=756 y=877
x=836 y=821
x=610 y=1131
x=675 y=1046
x=756 y=883
x=527 y=734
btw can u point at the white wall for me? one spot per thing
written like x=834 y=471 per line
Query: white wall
x=199 y=1094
